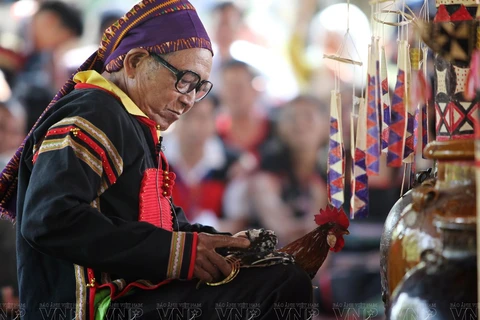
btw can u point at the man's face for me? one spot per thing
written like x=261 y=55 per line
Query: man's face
x=153 y=87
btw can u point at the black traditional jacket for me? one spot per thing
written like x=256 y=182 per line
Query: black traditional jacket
x=82 y=197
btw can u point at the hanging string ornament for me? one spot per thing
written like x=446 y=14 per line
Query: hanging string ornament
x=382 y=94
x=336 y=158
x=398 y=122
x=385 y=100
x=373 y=121
x=336 y=153
x=359 y=177
x=383 y=90
x=408 y=112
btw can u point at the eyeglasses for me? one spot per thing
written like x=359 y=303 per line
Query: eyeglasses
x=187 y=80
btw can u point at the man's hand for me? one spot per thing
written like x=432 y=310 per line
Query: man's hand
x=209 y=265
x=241 y=234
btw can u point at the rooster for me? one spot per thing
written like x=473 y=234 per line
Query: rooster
x=311 y=250
x=308 y=252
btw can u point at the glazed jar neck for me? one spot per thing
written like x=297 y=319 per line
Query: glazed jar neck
x=455 y=173
x=455 y=162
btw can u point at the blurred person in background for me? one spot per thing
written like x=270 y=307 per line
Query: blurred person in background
x=55 y=26
x=11 y=63
x=243 y=122
x=227 y=20
x=12 y=133
x=70 y=59
x=289 y=187
x=8 y=269
x=205 y=186
x=12 y=130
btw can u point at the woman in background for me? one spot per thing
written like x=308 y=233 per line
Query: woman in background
x=289 y=186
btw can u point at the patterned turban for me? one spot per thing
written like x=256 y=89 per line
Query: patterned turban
x=160 y=26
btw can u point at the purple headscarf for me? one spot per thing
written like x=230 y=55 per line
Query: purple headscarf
x=160 y=26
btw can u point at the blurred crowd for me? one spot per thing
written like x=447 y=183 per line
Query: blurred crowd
x=244 y=158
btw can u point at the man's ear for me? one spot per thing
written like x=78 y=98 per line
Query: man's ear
x=133 y=59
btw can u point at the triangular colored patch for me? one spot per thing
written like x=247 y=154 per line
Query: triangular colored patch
x=461 y=14
x=442 y=14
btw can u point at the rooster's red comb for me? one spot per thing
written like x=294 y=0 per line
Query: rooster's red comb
x=332 y=214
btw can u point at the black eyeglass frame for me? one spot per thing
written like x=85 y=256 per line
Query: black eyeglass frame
x=180 y=73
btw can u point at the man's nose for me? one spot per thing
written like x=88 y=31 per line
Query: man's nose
x=188 y=99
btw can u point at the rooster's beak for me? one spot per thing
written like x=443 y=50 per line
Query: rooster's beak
x=346 y=232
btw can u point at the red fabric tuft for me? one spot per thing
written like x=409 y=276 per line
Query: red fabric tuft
x=442 y=14
x=332 y=214
x=154 y=205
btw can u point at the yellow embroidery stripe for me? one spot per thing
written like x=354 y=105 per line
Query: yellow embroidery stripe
x=101 y=137
x=146 y=283
x=120 y=283
x=81 y=152
x=176 y=255
x=80 y=293
x=103 y=186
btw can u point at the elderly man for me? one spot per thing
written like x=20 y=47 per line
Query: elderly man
x=97 y=231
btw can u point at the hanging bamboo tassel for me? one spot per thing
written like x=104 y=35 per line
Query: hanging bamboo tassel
x=409 y=148
x=359 y=177
x=385 y=100
x=336 y=154
x=378 y=92
x=398 y=125
x=373 y=126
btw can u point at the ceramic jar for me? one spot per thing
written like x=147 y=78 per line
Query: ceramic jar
x=442 y=286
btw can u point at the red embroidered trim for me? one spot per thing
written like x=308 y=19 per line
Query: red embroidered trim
x=113 y=289
x=92 y=285
x=151 y=125
x=92 y=144
x=154 y=205
x=35 y=156
x=193 y=256
x=92 y=86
